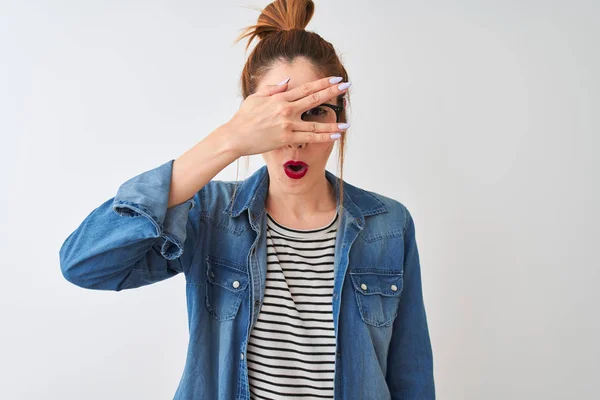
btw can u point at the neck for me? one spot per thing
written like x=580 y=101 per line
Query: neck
x=316 y=199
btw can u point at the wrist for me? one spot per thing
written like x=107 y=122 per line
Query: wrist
x=224 y=137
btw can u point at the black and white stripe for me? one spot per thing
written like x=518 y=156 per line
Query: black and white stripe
x=291 y=351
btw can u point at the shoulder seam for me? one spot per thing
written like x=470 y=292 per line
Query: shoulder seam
x=406 y=218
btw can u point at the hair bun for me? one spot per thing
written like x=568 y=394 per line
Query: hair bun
x=280 y=15
x=285 y=15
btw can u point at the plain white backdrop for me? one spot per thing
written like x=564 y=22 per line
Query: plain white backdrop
x=481 y=117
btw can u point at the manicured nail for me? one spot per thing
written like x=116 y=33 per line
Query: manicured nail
x=335 y=136
x=336 y=79
x=343 y=126
x=283 y=82
x=345 y=85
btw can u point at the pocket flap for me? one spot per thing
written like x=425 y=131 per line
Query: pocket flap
x=386 y=283
x=226 y=276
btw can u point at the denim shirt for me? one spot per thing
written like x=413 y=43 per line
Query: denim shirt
x=219 y=243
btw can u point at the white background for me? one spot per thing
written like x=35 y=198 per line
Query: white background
x=480 y=116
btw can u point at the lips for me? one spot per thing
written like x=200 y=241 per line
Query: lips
x=295 y=169
x=295 y=165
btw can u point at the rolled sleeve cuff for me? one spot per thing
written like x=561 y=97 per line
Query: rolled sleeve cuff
x=147 y=194
x=175 y=229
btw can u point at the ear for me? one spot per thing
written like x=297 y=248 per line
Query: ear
x=345 y=103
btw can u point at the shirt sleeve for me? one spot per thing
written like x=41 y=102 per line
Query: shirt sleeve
x=410 y=359
x=133 y=239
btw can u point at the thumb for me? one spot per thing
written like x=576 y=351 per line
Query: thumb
x=270 y=90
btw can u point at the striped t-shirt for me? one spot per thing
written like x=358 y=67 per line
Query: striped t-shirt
x=291 y=350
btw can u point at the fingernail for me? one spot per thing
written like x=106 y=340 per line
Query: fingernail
x=335 y=136
x=345 y=85
x=283 y=82
x=336 y=79
x=343 y=126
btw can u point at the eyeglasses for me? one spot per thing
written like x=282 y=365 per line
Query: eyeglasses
x=324 y=113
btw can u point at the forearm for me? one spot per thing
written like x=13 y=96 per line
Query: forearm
x=133 y=239
x=197 y=166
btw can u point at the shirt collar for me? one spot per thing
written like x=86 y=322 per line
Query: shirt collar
x=251 y=193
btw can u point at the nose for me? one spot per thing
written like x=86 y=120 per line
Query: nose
x=297 y=145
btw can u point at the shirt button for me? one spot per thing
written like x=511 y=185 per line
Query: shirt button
x=394 y=288
x=242 y=356
x=363 y=286
x=257 y=303
x=236 y=284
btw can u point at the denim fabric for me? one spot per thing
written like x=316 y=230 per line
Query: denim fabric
x=219 y=244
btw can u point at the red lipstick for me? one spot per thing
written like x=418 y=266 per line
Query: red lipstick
x=295 y=169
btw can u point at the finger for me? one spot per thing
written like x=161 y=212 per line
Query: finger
x=309 y=88
x=318 y=127
x=270 y=90
x=320 y=97
x=312 y=137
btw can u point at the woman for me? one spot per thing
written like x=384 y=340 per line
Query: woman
x=299 y=285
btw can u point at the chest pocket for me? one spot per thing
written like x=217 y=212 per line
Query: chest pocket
x=226 y=285
x=377 y=295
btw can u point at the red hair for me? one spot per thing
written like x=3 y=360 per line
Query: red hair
x=282 y=38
